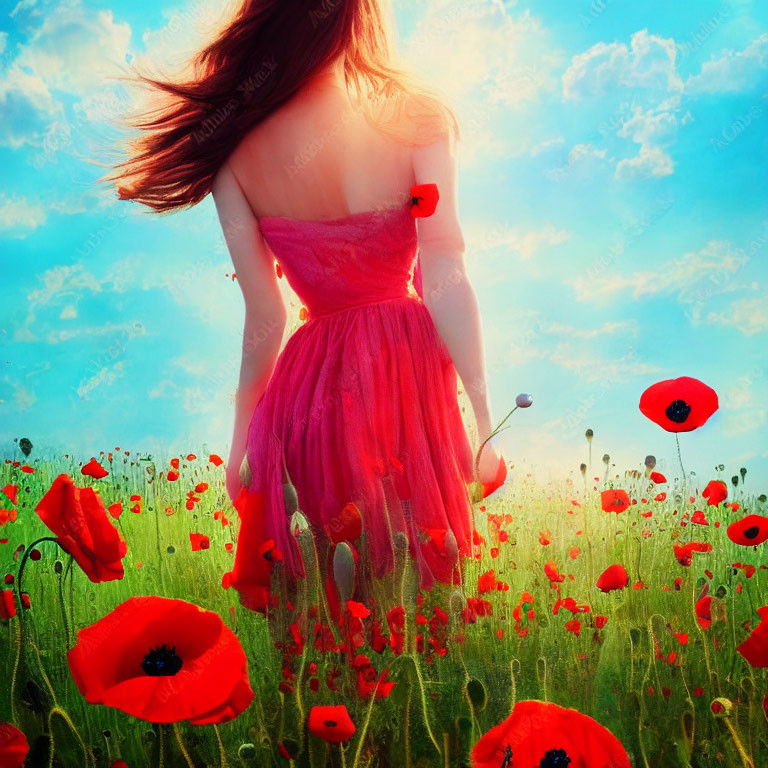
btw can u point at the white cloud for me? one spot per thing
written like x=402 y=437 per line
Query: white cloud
x=18 y=216
x=607 y=328
x=650 y=161
x=545 y=145
x=732 y=71
x=74 y=49
x=68 y=313
x=648 y=63
x=519 y=62
x=104 y=376
x=750 y=316
x=132 y=329
x=694 y=278
x=525 y=242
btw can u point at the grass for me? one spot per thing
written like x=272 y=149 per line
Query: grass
x=623 y=674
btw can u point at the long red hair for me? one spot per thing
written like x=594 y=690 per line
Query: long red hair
x=257 y=62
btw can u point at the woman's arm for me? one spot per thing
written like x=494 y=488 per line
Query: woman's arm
x=265 y=314
x=448 y=294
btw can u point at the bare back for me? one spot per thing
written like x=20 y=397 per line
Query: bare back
x=317 y=157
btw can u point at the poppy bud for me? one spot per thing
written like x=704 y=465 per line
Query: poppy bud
x=721 y=707
x=589 y=434
x=477 y=694
x=299 y=522
x=583 y=469
x=344 y=571
x=523 y=400
x=290 y=498
x=650 y=462
x=606 y=459
x=246 y=751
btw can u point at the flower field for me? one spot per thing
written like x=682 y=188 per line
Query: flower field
x=610 y=620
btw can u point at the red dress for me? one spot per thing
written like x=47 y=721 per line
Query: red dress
x=361 y=407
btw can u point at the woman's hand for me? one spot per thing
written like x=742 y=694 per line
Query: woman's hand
x=238 y=475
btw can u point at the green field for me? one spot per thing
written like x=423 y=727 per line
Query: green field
x=633 y=674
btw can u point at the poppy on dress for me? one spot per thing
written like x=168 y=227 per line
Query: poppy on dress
x=539 y=733
x=162 y=660
x=79 y=519
x=424 y=199
x=613 y=577
x=614 y=500
x=13 y=746
x=749 y=531
x=679 y=405
x=331 y=723
x=755 y=648
x=715 y=492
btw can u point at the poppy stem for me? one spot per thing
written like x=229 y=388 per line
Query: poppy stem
x=680 y=457
x=177 y=731
x=56 y=710
x=745 y=758
x=27 y=552
x=14 y=673
x=63 y=607
x=222 y=751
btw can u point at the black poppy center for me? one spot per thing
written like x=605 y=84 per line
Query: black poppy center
x=161 y=661
x=555 y=758
x=330 y=723
x=678 y=411
x=751 y=532
x=507 y=761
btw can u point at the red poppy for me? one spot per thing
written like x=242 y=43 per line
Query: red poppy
x=12 y=492
x=657 y=477
x=749 y=531
x=424 y=199
x=251 y=576
x=679 y=405
x=755 y=648
x=614 y=500
x=704 y=611
x=13 y=746
x=199 y=541
x=684 y=552
x=94 y=469
x=7 y=604
x=613 y=577
x=331 y=723
x=715 y=492
x=540 y=733
x=550 y=569
x=162 y=660
x=699 y=518
x=79 y=519
x=498 y=480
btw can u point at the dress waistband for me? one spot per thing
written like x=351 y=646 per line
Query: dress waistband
x=405 y=296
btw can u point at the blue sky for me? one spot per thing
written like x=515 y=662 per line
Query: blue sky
x=612 y=192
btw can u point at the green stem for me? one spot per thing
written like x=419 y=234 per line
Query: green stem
x=27 y=552
x=182 y=747
x=680 y=457
x=222 y=751
x=63 y=607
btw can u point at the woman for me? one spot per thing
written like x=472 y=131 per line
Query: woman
x=323 y=156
